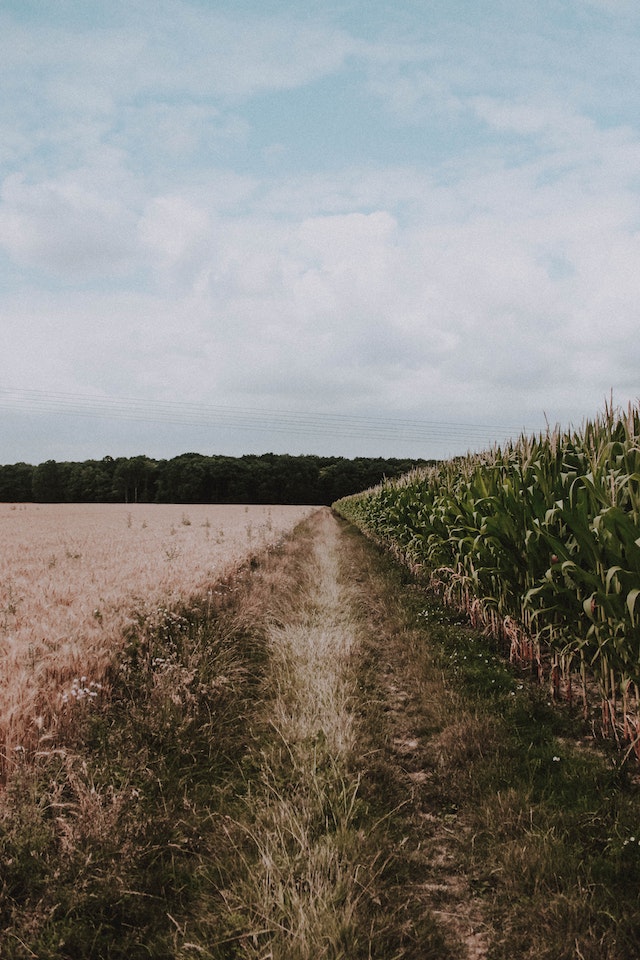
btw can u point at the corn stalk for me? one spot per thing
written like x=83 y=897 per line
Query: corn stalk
x=539 y=542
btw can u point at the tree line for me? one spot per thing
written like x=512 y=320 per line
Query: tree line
x=196 y=478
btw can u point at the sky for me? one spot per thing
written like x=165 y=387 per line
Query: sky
x=356 y=228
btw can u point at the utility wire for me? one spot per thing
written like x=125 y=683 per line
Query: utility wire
x=252 y=418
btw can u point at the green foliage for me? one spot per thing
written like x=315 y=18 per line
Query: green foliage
x=514 y=814
x=194 y=478
x=541 y=539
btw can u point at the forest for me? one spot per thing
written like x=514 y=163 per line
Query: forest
x=197 y=478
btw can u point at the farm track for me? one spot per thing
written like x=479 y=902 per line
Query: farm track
x=380 y=878
x=425 y=895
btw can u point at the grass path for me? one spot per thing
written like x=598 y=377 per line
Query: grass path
x=302 y=887
x=510 y=833
x=347 y=860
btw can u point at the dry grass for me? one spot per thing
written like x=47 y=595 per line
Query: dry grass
x=308 y=872
x=74 y=578
x=310 y=654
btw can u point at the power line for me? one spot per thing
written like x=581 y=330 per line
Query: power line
x=253 y=418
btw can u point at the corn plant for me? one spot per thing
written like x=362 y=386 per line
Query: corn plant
x=540 y=542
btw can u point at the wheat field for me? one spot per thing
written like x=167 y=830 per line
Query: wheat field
x=74 y=577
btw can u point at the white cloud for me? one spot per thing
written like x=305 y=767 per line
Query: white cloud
x=167 y=46
x=475 y=281
x=177 y=133
x=500 y=286
x=65 y=227
x=175 y=231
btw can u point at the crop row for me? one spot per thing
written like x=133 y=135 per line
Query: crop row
x=538 y=540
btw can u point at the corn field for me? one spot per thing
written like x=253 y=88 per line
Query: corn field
x=539 y=542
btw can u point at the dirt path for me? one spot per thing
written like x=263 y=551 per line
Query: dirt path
x=257 y=786
x=352 y=836
x=302 y=890
x=400 y=704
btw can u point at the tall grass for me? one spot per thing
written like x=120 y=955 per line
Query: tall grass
x=305 y=864
x=74 y=578
x=539 y=541
x=117 y=833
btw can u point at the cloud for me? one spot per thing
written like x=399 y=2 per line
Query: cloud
x=65 y=227
x=161 y=238
x=178 y=132
x=155 y=49
x=500 y=283
x=176 y=232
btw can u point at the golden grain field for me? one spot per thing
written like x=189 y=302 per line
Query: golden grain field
x=74 y=576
